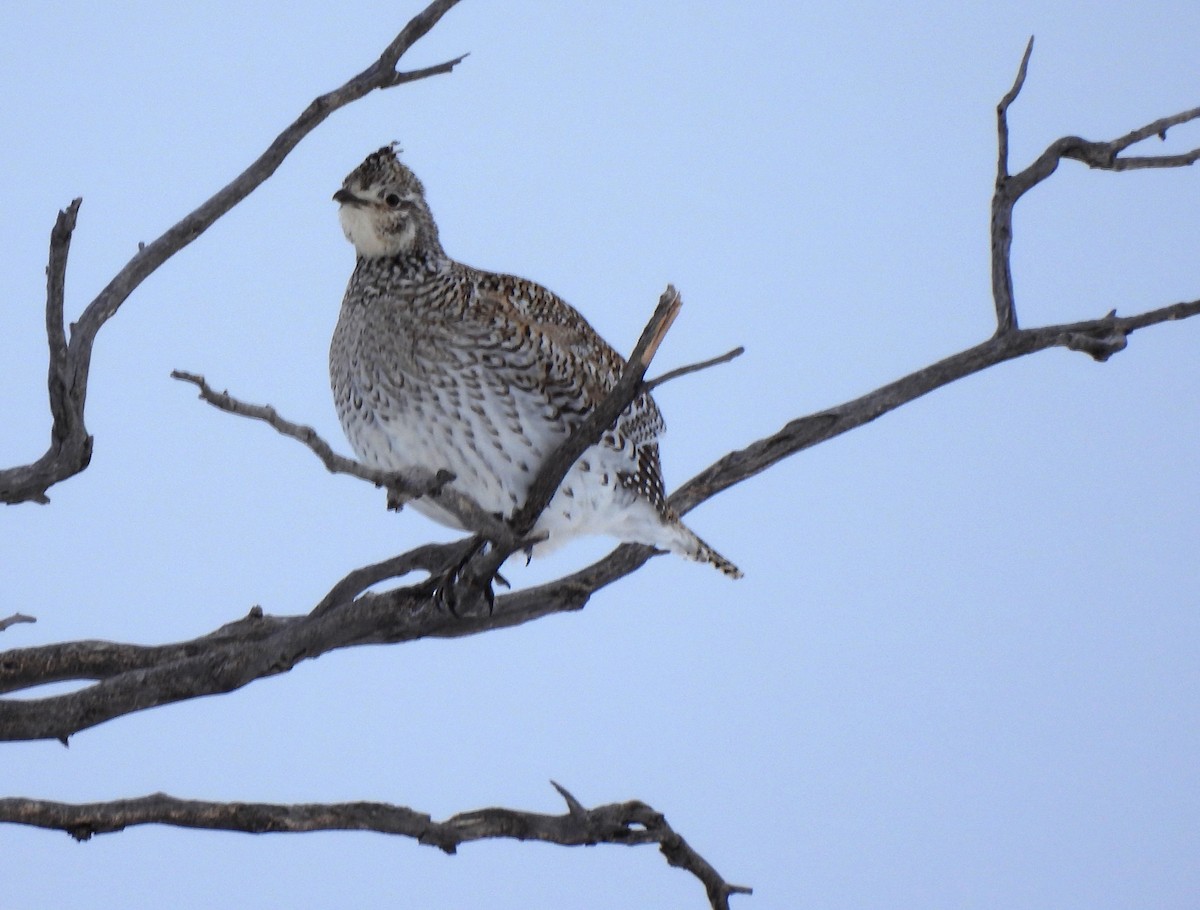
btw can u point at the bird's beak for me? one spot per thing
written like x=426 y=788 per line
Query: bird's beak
x=345 y=197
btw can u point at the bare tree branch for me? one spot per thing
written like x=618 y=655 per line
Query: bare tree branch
x=70 y=449
x=70 y=445
x=1098 y=155
x=401 y=487
x=419 y=483
x=14 y=619
x=1002 y=285
x=552 y=471
x=654 y=383
x=629 y=824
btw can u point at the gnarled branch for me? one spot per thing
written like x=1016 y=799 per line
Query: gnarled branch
x=629 y=824
x=70 y=447
x=1011 y=187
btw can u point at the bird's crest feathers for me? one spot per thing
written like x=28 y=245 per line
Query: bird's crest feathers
x=382 y=166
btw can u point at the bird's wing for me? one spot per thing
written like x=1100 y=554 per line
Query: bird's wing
x=555 y=352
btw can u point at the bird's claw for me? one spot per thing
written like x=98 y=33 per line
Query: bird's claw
x=458 y=586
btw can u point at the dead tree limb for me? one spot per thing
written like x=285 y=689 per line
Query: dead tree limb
x=14 y=619
x=1105 y=156
x=629 y=824
x=70 y=449
x=129 y=678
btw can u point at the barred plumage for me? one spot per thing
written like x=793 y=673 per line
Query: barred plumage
x=436 y=364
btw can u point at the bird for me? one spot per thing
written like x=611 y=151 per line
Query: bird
x=438 y=365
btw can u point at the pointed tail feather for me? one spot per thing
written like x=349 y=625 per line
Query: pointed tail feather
x=690 y=545
x=716 y=560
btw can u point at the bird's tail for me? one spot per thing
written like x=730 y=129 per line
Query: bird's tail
x=690 y=545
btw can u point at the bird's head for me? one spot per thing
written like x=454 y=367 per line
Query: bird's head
x=383 y=210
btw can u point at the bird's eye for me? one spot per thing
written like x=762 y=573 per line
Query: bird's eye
x=392 y=200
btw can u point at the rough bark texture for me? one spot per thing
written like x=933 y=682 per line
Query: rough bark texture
x=630 y=824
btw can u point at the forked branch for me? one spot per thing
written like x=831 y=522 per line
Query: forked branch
x=1105 y=156
x=70 y=447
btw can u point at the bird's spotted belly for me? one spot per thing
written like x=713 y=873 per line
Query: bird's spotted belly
x=496 y=469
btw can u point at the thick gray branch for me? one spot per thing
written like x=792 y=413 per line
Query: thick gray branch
x=630 y=824
x=70 y=361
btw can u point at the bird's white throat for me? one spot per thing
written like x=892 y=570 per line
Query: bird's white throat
x=361 y=227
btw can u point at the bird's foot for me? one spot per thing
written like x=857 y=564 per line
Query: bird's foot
x=461 y=584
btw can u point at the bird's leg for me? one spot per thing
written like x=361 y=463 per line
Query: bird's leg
x=457 y=584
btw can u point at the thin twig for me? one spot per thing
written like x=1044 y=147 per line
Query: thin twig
x=1002 y=203
x=1157 y=128
x=436 y=70
x=1107 y=155
x=401 y=487
x=1002 y=110
x=14 y=619
x=692 y=368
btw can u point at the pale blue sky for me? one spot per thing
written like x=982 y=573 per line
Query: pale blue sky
x=962 y=669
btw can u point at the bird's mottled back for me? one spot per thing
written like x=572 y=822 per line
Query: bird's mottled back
x=435 y=364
